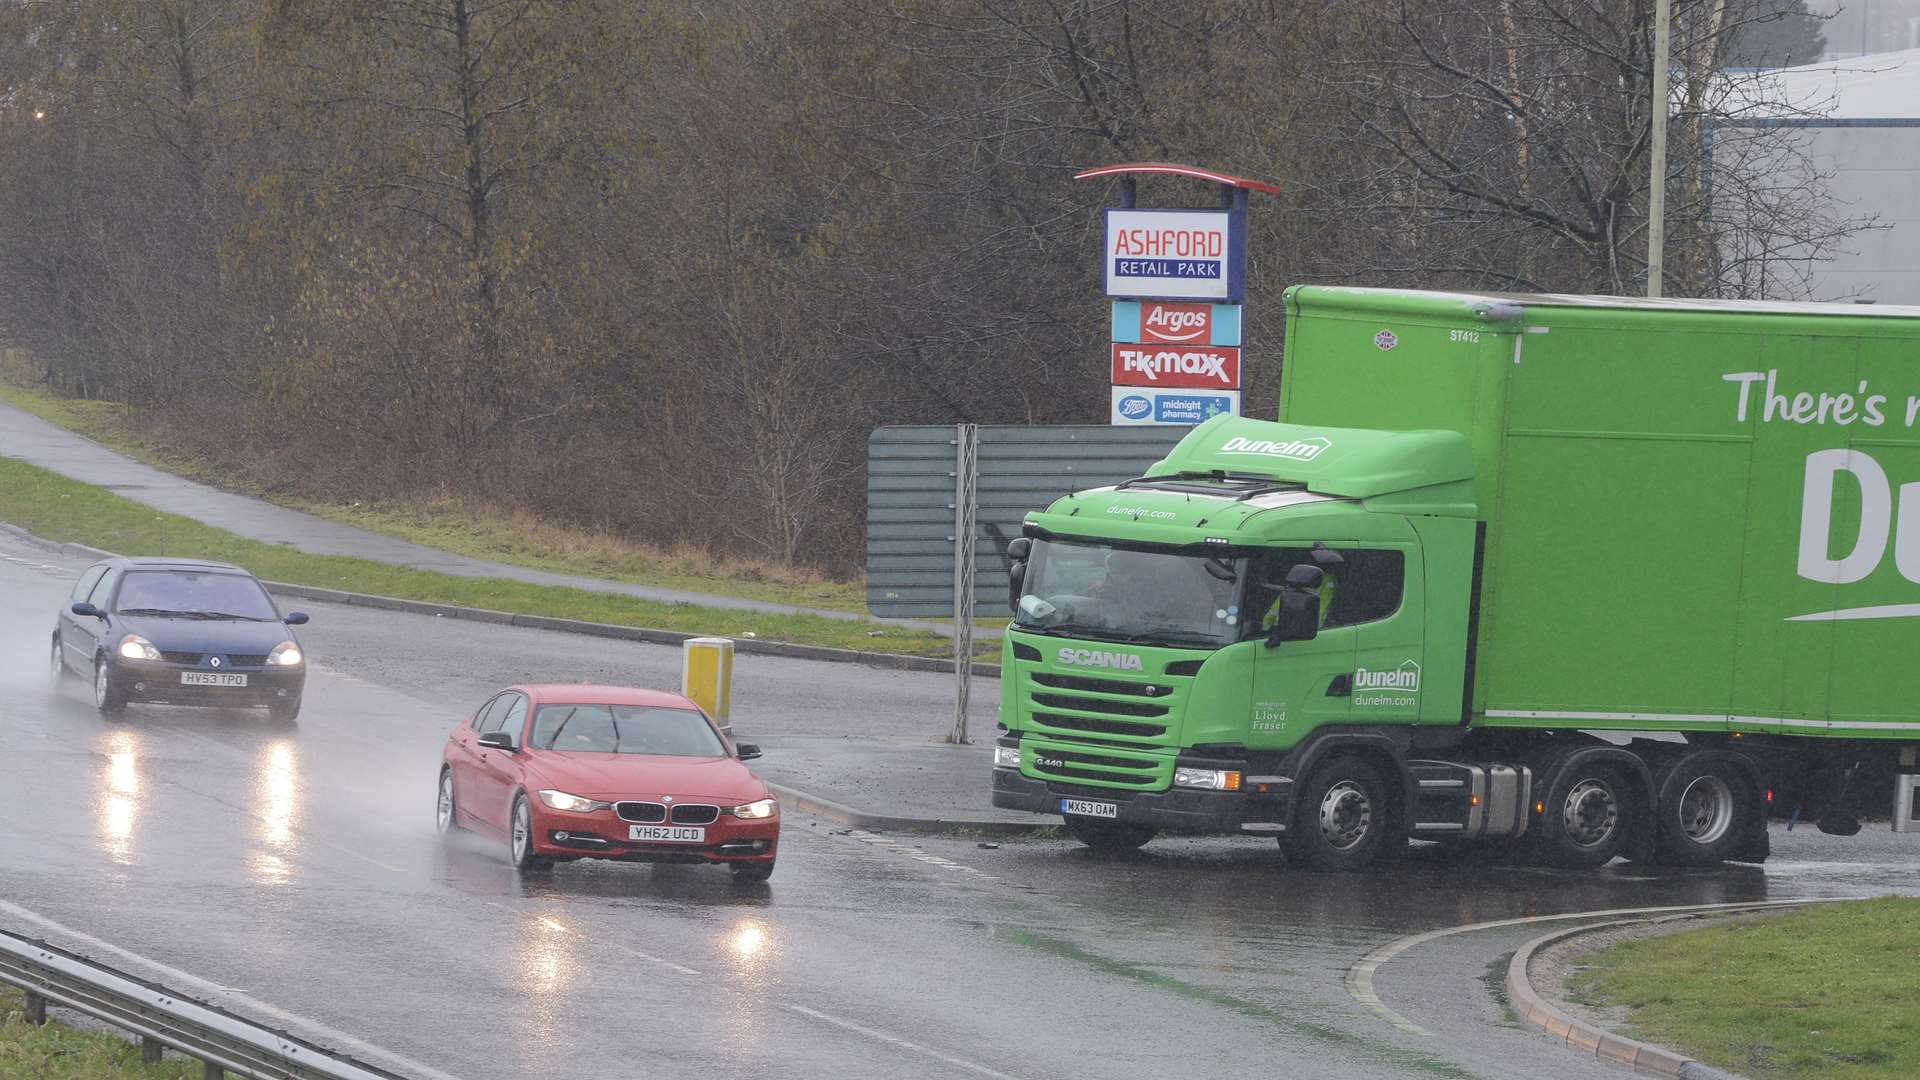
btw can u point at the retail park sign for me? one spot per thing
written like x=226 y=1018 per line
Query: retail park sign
x=1176 y=254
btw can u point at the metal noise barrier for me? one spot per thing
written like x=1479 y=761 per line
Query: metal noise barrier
x=219 y=1039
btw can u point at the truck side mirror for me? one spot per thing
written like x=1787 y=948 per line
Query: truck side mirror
x=1298 y=618
x=1018 y=549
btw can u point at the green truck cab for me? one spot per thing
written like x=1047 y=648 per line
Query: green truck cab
x=1603 y=576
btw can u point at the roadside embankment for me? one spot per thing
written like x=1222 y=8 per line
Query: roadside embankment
x=58 y=509
x=55 y=1051
x=1826 y=992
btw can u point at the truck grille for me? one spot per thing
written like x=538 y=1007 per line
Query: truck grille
x=1099 y=705
x=1100 y=726
x=1101 y=686
x=1067 y=764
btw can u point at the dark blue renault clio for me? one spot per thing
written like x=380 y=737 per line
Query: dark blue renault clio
x=180 y=632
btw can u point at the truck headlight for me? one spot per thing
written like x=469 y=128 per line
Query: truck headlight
x=560 y=800
x=753 y=811
x=1211 y=779
x=1006 y=757
x=135 y=647
x=285 y=654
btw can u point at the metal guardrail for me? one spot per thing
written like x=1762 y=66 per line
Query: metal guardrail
x=163 y=1019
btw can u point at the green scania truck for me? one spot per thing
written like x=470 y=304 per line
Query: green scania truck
x=1590 y=575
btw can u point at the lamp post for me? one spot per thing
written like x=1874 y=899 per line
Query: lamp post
x=1657 y=194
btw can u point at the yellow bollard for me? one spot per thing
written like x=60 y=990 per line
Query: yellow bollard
x=706 y=676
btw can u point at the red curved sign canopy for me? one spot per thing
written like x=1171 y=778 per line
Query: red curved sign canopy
x=1162 y=168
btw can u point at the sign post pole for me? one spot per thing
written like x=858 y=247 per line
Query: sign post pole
x=966 y=471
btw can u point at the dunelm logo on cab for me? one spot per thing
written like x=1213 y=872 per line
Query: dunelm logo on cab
x=1296 y=450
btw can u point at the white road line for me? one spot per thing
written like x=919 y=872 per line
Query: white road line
x=179 y=980
x=561 y=928
x=1360 y=975
x=895 y=1040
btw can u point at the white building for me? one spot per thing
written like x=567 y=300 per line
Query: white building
x=1858 y=124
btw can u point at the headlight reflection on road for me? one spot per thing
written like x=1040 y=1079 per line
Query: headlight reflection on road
x=277 y=795
x=752 y=946
x=120 y=802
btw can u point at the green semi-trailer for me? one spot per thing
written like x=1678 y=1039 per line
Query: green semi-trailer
x=1600 y=576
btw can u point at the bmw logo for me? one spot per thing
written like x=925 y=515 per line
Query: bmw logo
x=215 y=661
x=666 y=798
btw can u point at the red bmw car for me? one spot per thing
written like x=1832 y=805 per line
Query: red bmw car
x=607 y=772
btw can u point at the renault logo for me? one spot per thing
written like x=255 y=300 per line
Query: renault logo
x=215 y=661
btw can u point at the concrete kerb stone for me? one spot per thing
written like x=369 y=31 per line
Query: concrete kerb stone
x=787 y=650
x=1542 y=1013
x=795 y=799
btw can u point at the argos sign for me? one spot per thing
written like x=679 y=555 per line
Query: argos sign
x=1176 y=254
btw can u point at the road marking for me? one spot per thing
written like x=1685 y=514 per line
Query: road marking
x=895 y=1040
x=178 y=979
x=39 y=567
x=559 y=927
x=1360 y=976
x=917 y=854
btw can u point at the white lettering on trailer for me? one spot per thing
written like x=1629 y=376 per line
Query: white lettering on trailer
x=1876 y=524
x=1296 y=450
x=1094 y=658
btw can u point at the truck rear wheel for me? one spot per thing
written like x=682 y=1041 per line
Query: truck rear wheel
x=1342 y=818
x=1109 y=837
x=1588 y=812
x=1706 y=811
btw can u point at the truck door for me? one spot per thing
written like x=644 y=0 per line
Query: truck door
x=1373 y=598
x=1298 y=686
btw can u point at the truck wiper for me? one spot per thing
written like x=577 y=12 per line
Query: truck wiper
x=1076 y=630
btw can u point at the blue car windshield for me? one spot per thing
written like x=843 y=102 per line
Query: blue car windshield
x=625 y=729
x=189 y=593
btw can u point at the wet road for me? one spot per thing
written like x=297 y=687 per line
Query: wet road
x=297 y=866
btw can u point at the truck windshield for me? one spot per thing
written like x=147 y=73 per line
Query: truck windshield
x=1087 y=588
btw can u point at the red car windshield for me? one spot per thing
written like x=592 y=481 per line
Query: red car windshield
x=625 y=729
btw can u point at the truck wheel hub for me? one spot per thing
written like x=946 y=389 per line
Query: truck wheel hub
x=1706 y=809
x=1345 y=815
x=1591 y=813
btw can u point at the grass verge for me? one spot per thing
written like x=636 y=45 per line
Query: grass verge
x=463 y=526
x=58 y=1052
x=56 y=508
x=1825 y=993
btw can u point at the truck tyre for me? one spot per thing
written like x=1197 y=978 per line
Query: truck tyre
x=1705 y=811
x=1109 y=837
x=1343 y=817
x=1589 y=810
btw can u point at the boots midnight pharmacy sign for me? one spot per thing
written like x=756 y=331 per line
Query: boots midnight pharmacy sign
x=1176 y=254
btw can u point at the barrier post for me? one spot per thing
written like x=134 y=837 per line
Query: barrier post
x=706 y=677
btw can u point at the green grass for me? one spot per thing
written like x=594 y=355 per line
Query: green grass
x=58 y=1052
x=463 y=526
x=1825 y=993
x=56 y=508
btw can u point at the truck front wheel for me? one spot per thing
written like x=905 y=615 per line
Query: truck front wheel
x=1109 y=837
x=1343 y=817
x=1586 y=817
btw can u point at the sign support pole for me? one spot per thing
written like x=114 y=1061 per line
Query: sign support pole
x=966 y=471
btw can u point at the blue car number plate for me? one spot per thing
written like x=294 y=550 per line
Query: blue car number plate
x=1084 y=808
